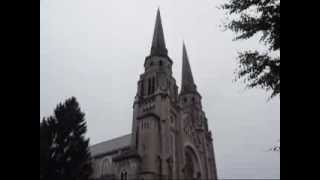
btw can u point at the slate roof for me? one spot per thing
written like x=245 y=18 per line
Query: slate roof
x=110 y=145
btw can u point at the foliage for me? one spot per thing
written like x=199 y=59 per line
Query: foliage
x=254 y=17
x=276 y=148
x=64 y=151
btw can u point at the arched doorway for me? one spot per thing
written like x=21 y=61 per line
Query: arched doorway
x=191 y=168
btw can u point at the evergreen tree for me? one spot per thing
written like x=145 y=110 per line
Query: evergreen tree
x=64 y=151
x=262 y=17
x=44 y=148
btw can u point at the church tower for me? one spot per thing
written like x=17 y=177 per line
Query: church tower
x=155 y=110
x=196 y=139
x=170 y=138
x=170 y=130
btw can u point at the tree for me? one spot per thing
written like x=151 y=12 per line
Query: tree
x=46 y=141
x=64 y=151
x=257 y=17
x=276 y=147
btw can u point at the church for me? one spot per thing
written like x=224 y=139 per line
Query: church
x=170 y=138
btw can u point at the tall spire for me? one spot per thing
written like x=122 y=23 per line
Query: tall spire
x=187 y=84
x=158 y=47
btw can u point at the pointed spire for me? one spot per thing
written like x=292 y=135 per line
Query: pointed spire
x=158 y=47
x=187 y=84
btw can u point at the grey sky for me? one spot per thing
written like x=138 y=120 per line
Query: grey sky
x=95 y=49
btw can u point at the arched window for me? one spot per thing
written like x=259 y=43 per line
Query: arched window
x=123 y=175
x=146 y=124
x=96 y=168
x=142 y=88
x=149 y=86
x=105 y=168
x=153 y=84
x=189 y=168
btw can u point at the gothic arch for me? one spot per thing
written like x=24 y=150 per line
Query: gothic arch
x=105 y=166
x=192 y=167
x=123 y=175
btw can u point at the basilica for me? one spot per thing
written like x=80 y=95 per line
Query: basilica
x=170 y=138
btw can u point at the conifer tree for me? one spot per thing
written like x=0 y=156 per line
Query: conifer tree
x=64 y=151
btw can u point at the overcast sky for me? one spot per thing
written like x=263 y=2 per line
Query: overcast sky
x=95 y=49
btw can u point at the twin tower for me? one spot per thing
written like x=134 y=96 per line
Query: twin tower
x=170 y=132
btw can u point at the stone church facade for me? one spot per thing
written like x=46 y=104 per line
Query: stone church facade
x=170 y=138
